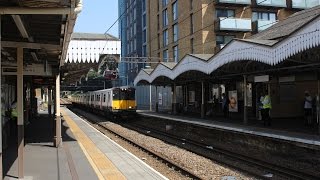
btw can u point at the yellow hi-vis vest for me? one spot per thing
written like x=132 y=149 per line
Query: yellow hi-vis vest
x=266 y=102
x=14 y=113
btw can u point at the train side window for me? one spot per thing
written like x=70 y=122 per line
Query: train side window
x=104 y=97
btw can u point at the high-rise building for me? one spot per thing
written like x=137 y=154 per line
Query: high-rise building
x=132 y=30
x=180 y=27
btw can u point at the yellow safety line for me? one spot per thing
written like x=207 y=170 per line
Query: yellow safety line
x=96 y=170
x=102 y=163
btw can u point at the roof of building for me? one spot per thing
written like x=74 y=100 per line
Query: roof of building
x=170 y=65
x=93 y=36
x=288 y=25
x=202 y=56
x=271 y=47
x=260 y=41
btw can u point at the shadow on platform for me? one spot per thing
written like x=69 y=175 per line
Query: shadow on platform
x=39 y=135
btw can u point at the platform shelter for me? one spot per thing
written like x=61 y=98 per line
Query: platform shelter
x=34 y=39
x=283 y=59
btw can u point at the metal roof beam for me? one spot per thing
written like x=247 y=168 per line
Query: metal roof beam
x=26 y=10
x=28 y=45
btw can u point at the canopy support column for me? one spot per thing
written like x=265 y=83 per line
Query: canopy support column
x=157 y=99
x=57 y=138
x=50 y=102
x=174 y=99
x=202 y=99
x=318 y=103
x=245 y=117
x=1 y=169
x=20 y=120
x=150 y=97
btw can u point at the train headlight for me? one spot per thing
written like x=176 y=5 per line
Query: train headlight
x=130 y=107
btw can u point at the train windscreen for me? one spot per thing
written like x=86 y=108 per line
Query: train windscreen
x=130 y=94
x=124 y=94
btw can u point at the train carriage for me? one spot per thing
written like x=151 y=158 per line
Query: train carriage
x=113 y=102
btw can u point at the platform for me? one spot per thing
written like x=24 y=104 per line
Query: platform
x=269 y=132
x=42 y=160
x=109 y=159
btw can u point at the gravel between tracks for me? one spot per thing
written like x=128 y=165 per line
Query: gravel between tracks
x=203 y=167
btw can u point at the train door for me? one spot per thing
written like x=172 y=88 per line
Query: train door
x=109 y=100
x=101 y=98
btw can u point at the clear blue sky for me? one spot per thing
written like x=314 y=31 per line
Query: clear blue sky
x=97 y=16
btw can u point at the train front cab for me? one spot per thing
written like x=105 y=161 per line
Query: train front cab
x=123 y=102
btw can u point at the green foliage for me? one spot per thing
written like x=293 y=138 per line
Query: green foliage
x=92 y=74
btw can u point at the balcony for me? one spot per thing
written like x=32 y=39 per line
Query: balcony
x=261 y=25
x=274 y=3
x=305 y=4
x=235 y=1
x=234 y=24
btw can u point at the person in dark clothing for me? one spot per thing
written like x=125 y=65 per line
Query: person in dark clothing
x=225 y=105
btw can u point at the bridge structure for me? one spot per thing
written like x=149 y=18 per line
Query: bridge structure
x=91 y=62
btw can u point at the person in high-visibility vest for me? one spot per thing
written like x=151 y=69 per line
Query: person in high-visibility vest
x=266 y=106
x=14 y=117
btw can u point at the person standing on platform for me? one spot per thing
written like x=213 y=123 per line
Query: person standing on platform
x=307 y=108
x=225 y=105
x=14 y=117
x=266 y=106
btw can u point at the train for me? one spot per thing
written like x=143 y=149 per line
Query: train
x=114 y=103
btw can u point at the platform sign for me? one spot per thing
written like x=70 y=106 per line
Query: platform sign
x=264 y=78
x=233 y=97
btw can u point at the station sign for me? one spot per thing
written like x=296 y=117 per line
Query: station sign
x=287 y=79
x=264 y=78
x=29 y=70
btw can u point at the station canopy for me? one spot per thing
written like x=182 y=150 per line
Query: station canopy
x=42 y=28
x=291 y=40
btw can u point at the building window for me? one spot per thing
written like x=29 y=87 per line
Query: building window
x=165 y=55
x=131 y=46
x=134 y=29
x=224 y=13
x=144 y=22
x=144 y=36
x=134 y=14
x=165 y=18
x=164 y=3
x=191 y=24
x=191 y=46
x=165 y=38
x=144 y=50
x=175 y=54
x=175 y=10
x=128 y=20
x=191 y=4
x=158 y=22
x=143 y=5
x=223 y=40
x=264 y=16
x=158 y=41
x=175 y=32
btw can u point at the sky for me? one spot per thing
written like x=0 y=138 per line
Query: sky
x=97 y=16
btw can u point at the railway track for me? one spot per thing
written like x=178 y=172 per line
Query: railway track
x=248 y=165
x=100 y=127
x=273 y=169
